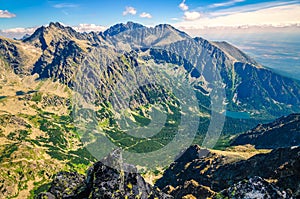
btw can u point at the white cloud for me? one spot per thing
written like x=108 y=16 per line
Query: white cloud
x=89 y=28
x=183 y=6
x=224 y=4
x=6 y=14
x=191 y=16
x=275 y=16
x=129 y=10
x=66 y=5
x=146 y=15
x=20 y=30
x=17 y=32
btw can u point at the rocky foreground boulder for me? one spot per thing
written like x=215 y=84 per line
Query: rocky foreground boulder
x=103 y=182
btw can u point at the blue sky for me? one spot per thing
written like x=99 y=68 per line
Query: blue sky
x=17 y=15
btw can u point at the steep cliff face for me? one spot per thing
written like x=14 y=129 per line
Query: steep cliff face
x=274 y=91
x=283 y=132
x=18 y=56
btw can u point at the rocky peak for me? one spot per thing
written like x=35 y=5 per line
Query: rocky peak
x=37 y=38
x=121 y=27
x=235 y=54
x=132 y=35
x=56 y=25
x=132 y=25
x=230 y=51
x=168 y=27
x=44 y=37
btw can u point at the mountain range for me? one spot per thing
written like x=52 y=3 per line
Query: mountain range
x=59 y=52
x=59 y=86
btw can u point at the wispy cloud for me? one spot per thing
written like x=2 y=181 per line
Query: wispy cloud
x=191 y=16
x=129 y=10
x=146 y=15
x=183 y=6
x=66 y=5
x=6 y=14
x=225 y=4
x=89 y=28
x=19 y=30
x=275 y=14
x=251 y=8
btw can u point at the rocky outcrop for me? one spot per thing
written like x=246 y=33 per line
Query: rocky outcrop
x=213 y=171
x=283 y=132
x=191 y=189
x=67 y=185
x=255 y=187
x=102 y=181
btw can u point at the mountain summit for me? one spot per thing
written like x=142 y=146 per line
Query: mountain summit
x=55 y=32
x=118 y=28
x=134 y=35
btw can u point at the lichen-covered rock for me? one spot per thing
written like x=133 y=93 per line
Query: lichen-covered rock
x=253 y=188
x=46 y=195
x=106 y=182
x=103 y=182
x=67 y=185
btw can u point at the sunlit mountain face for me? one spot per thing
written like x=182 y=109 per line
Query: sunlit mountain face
x=150 y=99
